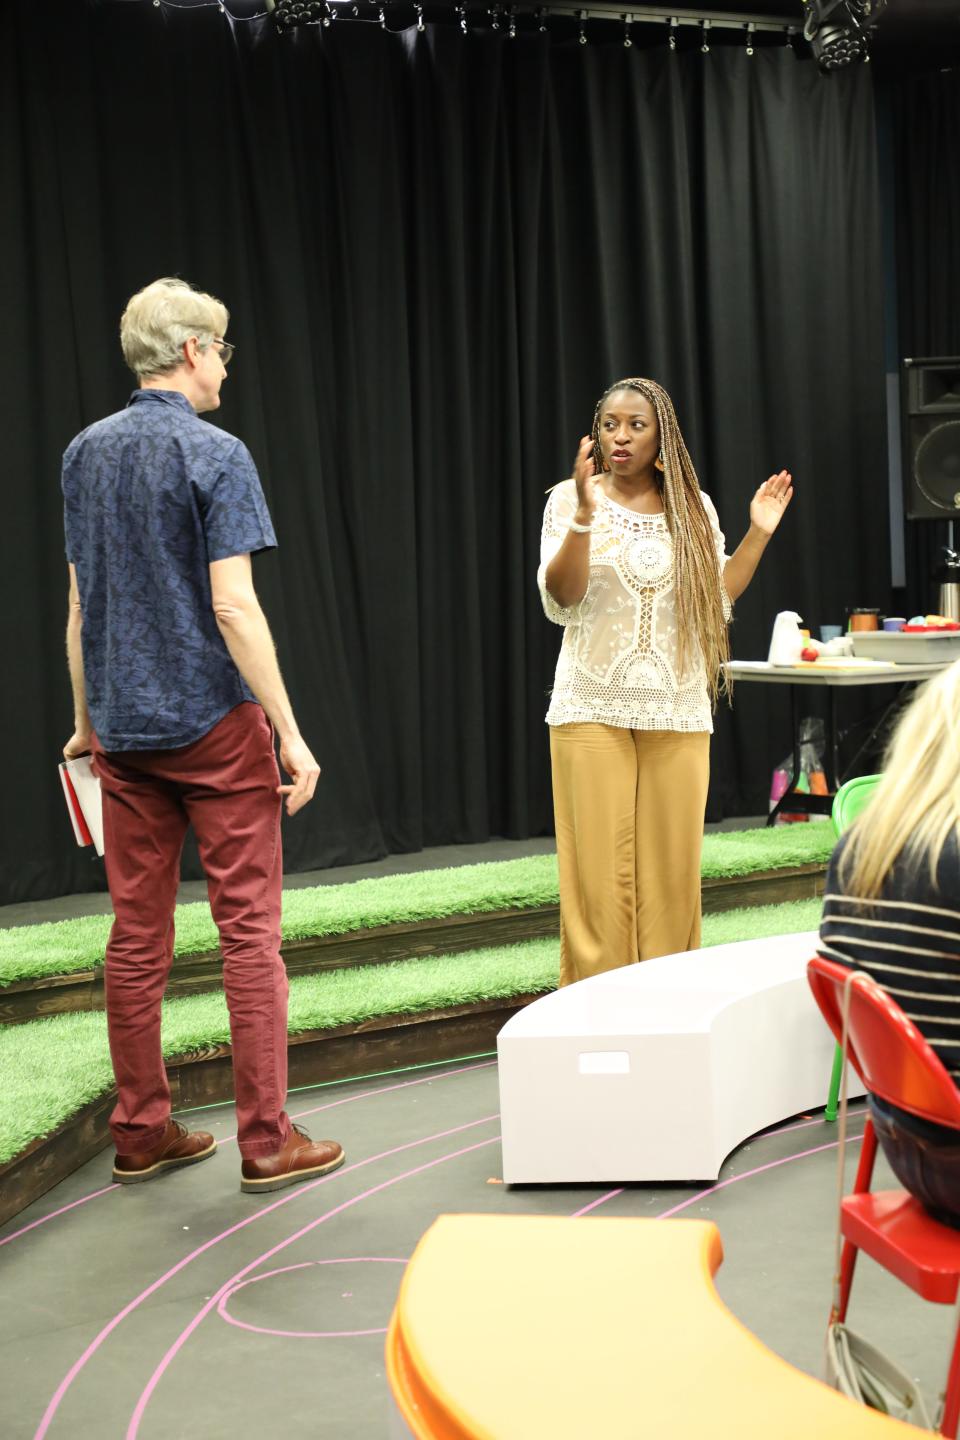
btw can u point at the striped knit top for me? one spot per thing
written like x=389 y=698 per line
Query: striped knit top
x=908 y=941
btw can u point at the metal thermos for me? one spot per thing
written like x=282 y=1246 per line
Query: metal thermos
x=947 y=576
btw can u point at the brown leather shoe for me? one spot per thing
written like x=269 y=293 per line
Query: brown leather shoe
x=300 y=1159
x=177 y=1146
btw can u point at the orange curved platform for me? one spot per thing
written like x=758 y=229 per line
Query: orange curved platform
x=542 y=1328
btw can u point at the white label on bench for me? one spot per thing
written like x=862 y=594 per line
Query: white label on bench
x=605 y=1062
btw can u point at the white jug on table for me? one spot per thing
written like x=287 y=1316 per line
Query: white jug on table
x=786 y=642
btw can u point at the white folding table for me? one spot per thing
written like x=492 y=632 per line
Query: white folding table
x=821 y=673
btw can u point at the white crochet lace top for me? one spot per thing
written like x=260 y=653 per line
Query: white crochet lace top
x=618 y=661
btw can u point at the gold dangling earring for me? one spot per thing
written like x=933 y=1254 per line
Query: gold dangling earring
x=658 y=463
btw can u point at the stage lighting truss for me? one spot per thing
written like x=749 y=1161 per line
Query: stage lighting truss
x=838 y=31
x=506 y=18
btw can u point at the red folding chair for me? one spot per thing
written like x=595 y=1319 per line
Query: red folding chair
x=895 y=1063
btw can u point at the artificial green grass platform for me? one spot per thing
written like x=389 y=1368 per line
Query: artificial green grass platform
x=30 y=952
x=743 y=852
x=39 y=1095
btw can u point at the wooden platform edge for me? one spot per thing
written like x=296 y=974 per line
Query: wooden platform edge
x=196 y=974
x=388 y=1042
x=762 y=887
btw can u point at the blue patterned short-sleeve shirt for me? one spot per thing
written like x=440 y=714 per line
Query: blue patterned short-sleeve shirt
x=151 y=496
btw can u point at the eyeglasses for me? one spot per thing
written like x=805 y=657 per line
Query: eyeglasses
x=225 y=350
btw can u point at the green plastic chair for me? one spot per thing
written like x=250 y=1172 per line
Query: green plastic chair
x=852 y=798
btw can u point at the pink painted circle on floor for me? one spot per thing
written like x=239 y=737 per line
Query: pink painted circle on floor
x=224 y=1313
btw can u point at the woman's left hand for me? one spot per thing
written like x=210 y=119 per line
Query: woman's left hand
x=770 y=501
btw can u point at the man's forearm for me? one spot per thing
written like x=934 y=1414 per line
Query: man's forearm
x=247 y=637
x=81 y=715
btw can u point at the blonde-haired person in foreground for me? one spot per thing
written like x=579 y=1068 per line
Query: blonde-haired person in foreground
x=176 y=687
x=892 y=908
x=634 y=567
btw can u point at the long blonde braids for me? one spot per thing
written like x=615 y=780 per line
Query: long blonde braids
x=696 y=573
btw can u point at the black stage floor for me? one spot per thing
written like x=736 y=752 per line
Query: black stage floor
x=182 y=1308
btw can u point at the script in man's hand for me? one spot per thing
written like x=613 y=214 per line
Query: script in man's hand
x=81 y=790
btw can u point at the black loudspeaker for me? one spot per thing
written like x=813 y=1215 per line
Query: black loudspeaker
x=931 y=438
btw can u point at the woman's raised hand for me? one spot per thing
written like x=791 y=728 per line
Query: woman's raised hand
x=587 y=481
x=770 y=501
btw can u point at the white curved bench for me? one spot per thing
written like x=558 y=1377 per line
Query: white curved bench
x=657 y=1071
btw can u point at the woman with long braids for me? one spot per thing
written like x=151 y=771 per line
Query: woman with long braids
x=633 y=566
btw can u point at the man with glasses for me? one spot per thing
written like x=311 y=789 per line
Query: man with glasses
x=177 y=692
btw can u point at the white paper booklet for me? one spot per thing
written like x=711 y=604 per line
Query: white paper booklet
x=81 y=789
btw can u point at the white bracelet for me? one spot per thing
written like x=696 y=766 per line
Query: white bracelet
x=580 y=529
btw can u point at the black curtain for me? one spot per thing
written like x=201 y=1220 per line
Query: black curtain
x=437 y=251
x=926 y=142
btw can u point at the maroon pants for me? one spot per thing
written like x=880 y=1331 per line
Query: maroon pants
x=226 y=786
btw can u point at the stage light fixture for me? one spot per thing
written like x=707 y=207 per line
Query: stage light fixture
x=838 y=31
x=290 y=13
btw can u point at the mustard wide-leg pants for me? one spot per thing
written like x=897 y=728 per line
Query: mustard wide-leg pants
x=628 y=808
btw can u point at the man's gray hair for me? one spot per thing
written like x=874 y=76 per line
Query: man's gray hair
x=161 y=317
